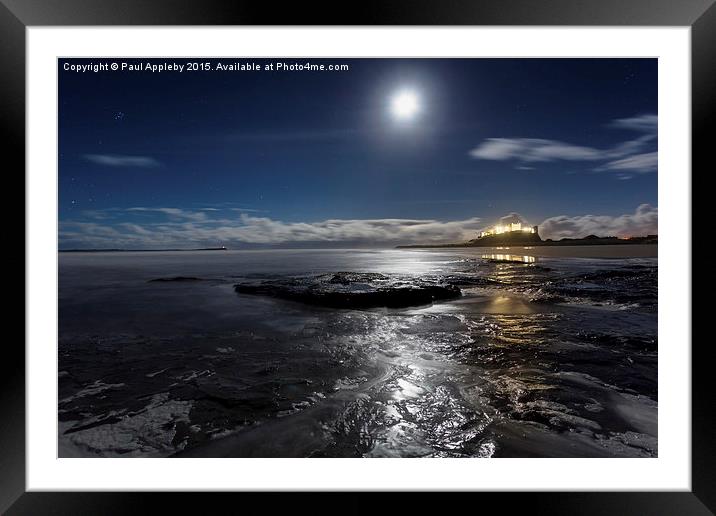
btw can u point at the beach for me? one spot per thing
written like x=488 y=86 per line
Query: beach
x=517 y=352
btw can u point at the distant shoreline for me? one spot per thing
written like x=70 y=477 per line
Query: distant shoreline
x=484 y=243
x=493 y=242
x=139 y=250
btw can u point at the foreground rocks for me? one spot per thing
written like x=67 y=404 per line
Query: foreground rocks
x=354 y=290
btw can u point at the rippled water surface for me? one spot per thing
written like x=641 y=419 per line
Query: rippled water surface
x=359 y=353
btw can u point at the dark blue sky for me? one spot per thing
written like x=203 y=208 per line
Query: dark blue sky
x=148 y=159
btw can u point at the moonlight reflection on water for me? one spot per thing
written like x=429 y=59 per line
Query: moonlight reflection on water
x=544 y=356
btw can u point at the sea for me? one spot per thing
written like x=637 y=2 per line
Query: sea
x=532 y=352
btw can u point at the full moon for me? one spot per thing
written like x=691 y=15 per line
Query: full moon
x=405 y=105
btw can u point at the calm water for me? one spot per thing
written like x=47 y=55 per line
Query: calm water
x=545 y=356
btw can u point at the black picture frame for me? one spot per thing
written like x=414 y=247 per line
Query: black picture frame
x=17 y=15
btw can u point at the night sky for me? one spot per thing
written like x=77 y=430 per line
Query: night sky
x=247 y=158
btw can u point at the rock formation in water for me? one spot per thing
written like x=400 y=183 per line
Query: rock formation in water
x=354 y=290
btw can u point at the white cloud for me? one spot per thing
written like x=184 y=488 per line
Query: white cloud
x=174 y=213
x=627 y=155
x=265 y=230
x=532 y=150
x=251 y=210
x=117 y=160
x=644 y=221
x=647 y=123
x=641 y=163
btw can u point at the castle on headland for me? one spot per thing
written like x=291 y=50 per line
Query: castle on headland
x=509 y=230
x=510 y=227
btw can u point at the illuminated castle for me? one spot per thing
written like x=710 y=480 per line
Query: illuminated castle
x=510 y=227
x=507 y=228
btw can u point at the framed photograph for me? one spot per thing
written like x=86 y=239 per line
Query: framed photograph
x=270 y=251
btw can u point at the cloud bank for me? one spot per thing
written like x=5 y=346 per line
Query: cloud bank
x=185 y=229
x=189 y=229
x=644 y=221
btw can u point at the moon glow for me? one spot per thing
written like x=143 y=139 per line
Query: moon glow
x=405 y=105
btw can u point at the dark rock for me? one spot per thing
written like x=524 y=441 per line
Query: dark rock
x=354 y=290
x=345 y=278
x=175 y=278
